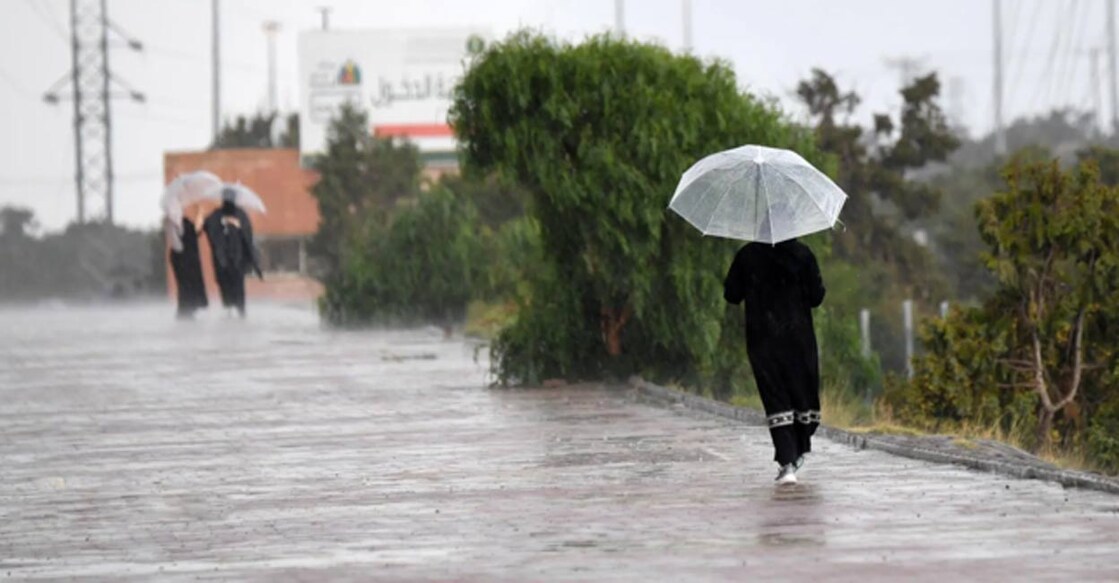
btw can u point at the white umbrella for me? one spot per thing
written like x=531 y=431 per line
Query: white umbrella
x=755 y=193
x=187 y=189
x=245 y=198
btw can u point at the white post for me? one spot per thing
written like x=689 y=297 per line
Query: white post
x=620 y=18
x=944 y=309
x=303 y=257
x=907 y=316
x=864 y=330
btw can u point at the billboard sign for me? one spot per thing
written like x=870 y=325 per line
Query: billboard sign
x=403 y=79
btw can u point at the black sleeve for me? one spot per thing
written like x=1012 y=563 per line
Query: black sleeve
x=250 y=243
x=812 y=284
x=734 y=286
x=212 y=227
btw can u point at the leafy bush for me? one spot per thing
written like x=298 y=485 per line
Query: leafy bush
x=1043 y=343
x=424 y=266
x=598 y=134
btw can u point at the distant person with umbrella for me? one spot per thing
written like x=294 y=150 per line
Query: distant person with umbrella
x=182 y=242
x=770 y=197
x=185 y=192
x=231 y=244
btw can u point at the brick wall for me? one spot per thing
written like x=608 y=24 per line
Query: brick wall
x=285 y=187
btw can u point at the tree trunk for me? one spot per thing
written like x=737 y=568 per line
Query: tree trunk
x=1044 y=429
x=613 y=321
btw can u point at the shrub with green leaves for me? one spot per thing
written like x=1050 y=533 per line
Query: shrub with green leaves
x=422 y=267
x=598 y=135
x=1048 y=335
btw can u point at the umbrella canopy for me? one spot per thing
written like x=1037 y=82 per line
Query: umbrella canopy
x=187 y=189
x=244 y=197
x=192 y=187
x=755 y=193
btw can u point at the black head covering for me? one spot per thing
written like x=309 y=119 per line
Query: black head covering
x=228 y=201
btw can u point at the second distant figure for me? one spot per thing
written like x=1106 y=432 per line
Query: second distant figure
x=234 y=253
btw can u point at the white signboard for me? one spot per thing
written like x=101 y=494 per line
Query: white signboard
x=403 y=79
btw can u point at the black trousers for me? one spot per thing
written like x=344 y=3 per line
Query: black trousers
x=232 y=284
x=789 y=384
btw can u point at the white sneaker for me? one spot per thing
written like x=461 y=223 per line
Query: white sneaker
x=797 y=465
x=786 y=475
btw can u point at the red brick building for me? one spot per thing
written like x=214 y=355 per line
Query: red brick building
x=281 y=234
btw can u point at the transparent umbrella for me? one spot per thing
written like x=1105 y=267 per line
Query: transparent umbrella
x=755 y=193
x=187 y=189
x=244 y=197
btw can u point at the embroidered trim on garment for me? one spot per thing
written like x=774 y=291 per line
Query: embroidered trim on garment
x=780 y=419
x=808 y=417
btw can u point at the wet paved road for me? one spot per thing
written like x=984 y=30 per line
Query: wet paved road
x=136 y=447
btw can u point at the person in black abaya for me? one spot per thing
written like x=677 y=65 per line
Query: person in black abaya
x=182 y=240
x=231 y=244
x=780 y=284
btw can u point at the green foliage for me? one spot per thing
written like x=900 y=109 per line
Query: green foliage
x=598 y=135
x=361 y=180
x=1103 y=436
x=256 y=132
x=1048 y=333
x=1106 y=159
x=841 y=359
x=498 y=200
x=392 y=252
x=959 y=377
x=423 y=266
x=954 y=230
x=512 y=254
x=94 y=260
x=16 y=222
x=1056 y=129
x=884 y=202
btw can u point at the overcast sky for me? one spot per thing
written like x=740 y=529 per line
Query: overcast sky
x=772 y=44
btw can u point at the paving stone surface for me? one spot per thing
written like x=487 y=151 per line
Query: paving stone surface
x=136 y=447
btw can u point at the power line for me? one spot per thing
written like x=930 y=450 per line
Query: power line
x=188 y=56
x=91 y=88
x=173 y=120
x=1026 y=42
x=1077 y=56
x=49 y=21
x=52 y=180
x=1068 y=70
x=1043 y=86
x=1011 y=28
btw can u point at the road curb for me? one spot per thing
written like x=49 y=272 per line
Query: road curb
x=1067 y=478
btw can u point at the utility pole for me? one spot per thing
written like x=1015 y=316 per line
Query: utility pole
x=620 y=17
x=1111 y=64
x=1000 y=132
x=271 y=27
x=91 y=80
x=687 y=21
x=1097 y=102
x=215 y=52
x=324 y=11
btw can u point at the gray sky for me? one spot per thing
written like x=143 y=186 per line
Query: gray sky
x=772 y=45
